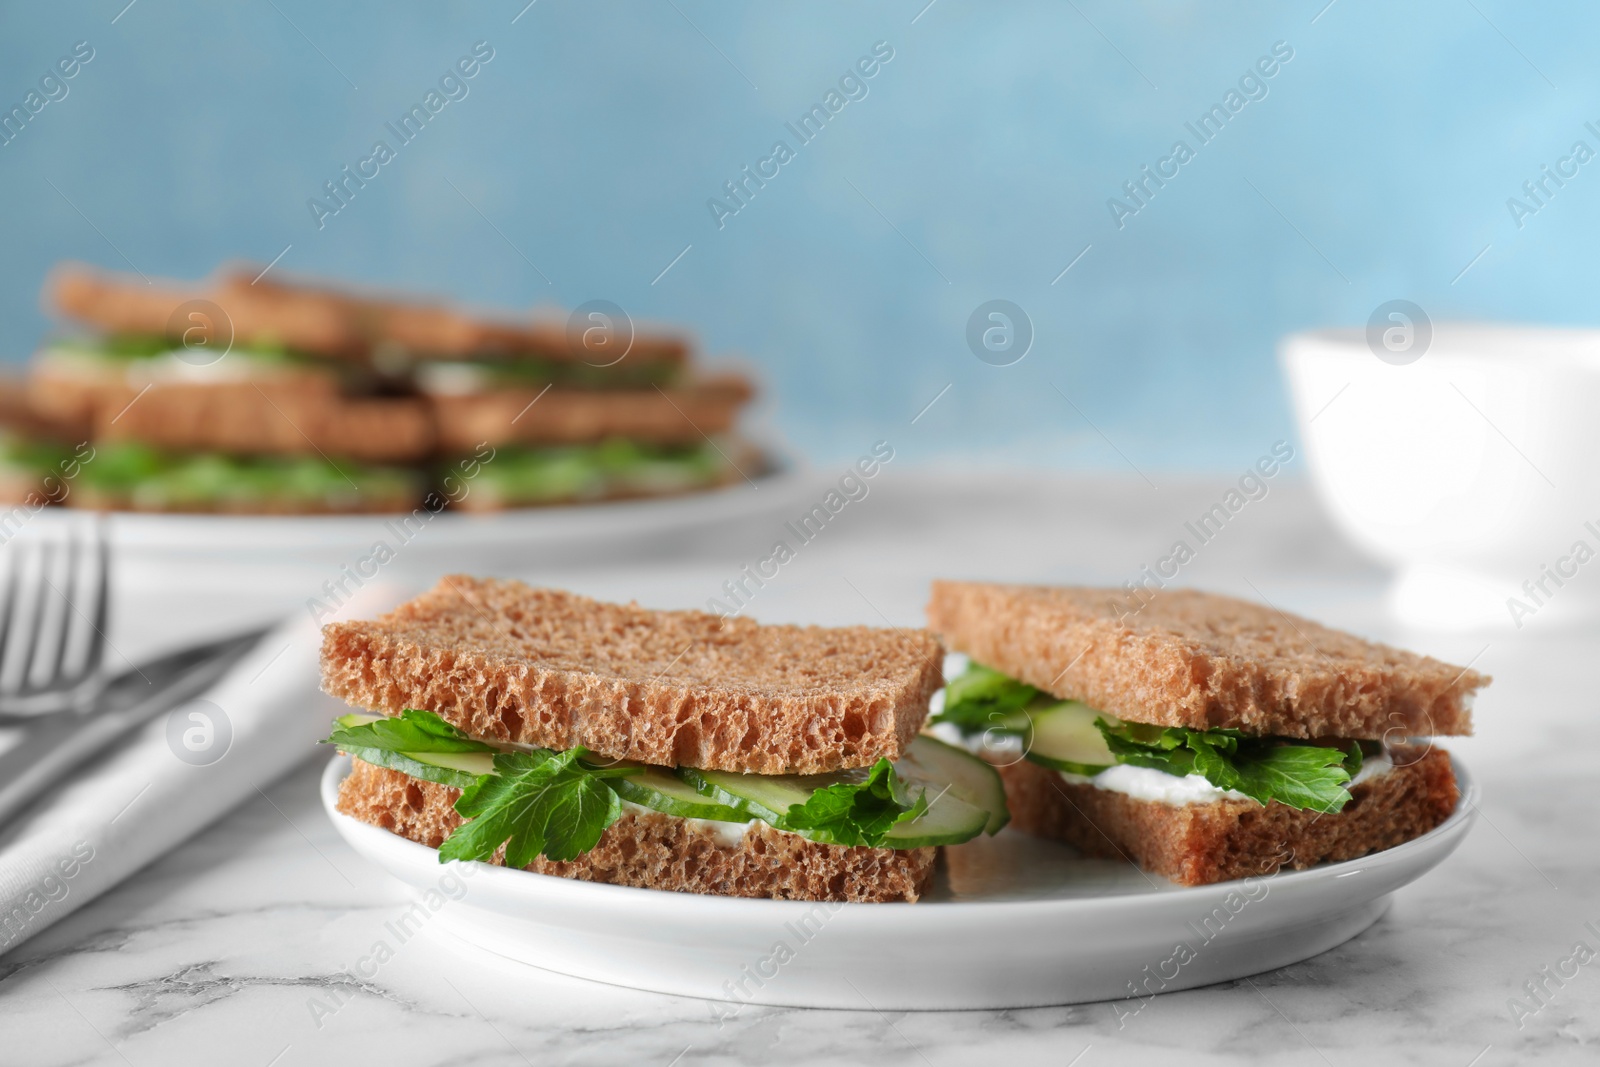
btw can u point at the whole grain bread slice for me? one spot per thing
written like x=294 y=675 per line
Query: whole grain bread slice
x=396 y=324
x=321 y=319
x=63 y=384
x=1200 y=660
x=682 y=414
x=654 y=851
x=1196 y=844
x=120 y=303
x=22 y=416
x=247 y=418
x=506 y=662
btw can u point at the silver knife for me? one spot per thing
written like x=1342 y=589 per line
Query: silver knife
x=55 y=744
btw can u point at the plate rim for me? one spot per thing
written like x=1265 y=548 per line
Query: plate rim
x=180 y=531
x=1454 y=828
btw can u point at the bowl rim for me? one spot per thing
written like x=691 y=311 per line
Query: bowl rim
x=1459 y=341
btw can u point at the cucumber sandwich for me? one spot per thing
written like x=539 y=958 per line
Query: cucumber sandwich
x=660 y=749
x=1202 y=737
x=250 y=393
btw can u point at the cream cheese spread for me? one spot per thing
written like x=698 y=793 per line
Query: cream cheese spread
x=1147 y=783
x=208 y=366
x=450 y=379
x=727 y=834
x=1373 y=767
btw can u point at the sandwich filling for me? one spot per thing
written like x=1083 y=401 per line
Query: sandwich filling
x=141 y=357
x=128 y=474
x=524 y=475
x=1171 y=765
x=1145 y=783
x=557 y=804
x=465 y=377
x=130 y=349
x=137 y=360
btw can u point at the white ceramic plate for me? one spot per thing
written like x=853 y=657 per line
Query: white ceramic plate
x=1012 y=922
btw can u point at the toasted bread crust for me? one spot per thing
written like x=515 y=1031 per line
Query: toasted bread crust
x=507 y=662
x=392 y=323
x=1202 y=661
x=322 y=320
x=1197 y=844
x=683 y=414
x=91 y=393
x=250 y=419
x=21 y=415
x=118 y=303
x=654 y=851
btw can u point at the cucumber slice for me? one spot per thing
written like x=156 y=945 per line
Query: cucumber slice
x=660 y=790
x=948 y=772
x=458 y=769
x=1014 y=723
x=473 y=763
x=964 y=793
x=413 y=766
x=1065 y=738
x=1087 y=770
x=949 y=821
x=767 y=797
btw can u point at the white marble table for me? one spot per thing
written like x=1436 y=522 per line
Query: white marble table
x=234 y=949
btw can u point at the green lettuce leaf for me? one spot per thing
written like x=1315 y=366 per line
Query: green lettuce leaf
x=385 y=742
x=1315 y=777
x=1301 y=776
x=411 y=731
x=554 y=804
x=539 y=803
x=861 y=813
x=980 y=699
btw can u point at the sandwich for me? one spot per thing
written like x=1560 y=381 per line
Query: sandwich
x=248 y=394
x=1202 y=737
x=39 y=455
x=658 y=749
x=601 y=414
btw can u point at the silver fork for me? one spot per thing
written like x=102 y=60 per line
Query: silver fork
x=53 y=611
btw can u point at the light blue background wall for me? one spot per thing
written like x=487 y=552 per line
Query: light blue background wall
x=991 y=142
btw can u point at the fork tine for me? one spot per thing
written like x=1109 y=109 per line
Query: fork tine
x=101 y=616
x=14 y=565
x=40 y=614
x=70 y=594
x=55 y=588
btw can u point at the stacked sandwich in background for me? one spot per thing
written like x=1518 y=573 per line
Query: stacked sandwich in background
x=659 y=749
x=1203 y=737
x=251 y=395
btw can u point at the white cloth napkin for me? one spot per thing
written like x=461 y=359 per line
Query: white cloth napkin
x=170 y=778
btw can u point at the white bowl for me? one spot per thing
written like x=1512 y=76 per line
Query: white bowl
x=1470 y=469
